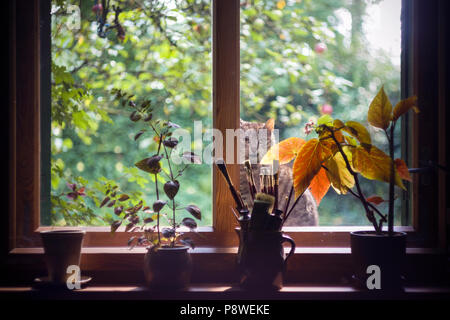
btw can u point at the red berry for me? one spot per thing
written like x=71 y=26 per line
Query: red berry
x=97 y=8
x=327 y=109
x=320 y=47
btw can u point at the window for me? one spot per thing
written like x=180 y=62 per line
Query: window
x=421 y=51
x=160 y=54
x=304 y=59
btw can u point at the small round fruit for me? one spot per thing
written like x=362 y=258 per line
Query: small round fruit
x=97 y=8
x=327 y=109
x=320 y=48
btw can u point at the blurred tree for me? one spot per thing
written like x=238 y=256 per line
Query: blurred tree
x=294 y=59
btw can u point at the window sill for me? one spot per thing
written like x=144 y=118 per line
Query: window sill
x=121 y=266
x=220 y=292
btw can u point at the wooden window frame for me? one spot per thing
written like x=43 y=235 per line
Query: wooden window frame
x=423 y=54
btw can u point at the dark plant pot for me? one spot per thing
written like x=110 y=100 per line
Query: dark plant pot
x=168 y=268
x=62 y=248
x=388 y=253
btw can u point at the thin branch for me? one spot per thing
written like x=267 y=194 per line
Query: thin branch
x=382 y=216
x=293 y=206
x=287 y=202
x=391 y=179
x=363 y=200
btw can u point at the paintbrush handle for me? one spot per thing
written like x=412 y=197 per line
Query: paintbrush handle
x=236 y=195
x=275 y=190
x=250 y=178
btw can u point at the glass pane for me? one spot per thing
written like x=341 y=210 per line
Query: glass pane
x=158 y=51
x=303 y=59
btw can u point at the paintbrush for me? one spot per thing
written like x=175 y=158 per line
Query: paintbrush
x=275 y=190
x=235 y=193
x=250 y=179
x=260 y=213
x=263 y=180
x=276 y=183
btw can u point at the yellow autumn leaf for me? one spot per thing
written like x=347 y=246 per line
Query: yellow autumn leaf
x=341 y=179
x=308 y=163
x=338 y=124
x=284 y=151
x=351 y=141
x=325 y=134
x=380 y=110
x=374 y=165
x=281 y=4
x=403 y=106
x=360 y=132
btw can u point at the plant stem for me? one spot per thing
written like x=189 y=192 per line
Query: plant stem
x=293 y=206
x=391 y=181
x=157 y=219
x=361 y=197
x=173 y=200
x=288 y=201
x=382 y=216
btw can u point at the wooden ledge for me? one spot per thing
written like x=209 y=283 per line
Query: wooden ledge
x=121 y=266
x=216 y=250
x=221 y=292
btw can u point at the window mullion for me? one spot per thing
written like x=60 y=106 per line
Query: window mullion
x=225 y=99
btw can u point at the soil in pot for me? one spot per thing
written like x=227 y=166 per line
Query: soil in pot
x=388 y=253
x=168 y=268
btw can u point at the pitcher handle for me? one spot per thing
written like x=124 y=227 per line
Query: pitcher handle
x=291 y=241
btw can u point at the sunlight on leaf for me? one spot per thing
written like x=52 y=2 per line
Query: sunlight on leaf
x=374 y=165
x=380 y=110
x=402 y=169
x=360 y=132
x=284 y=151
x=319 y=185
x=403 y=106
x=308 y=163
x=341 y=179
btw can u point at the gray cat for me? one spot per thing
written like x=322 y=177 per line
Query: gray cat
x=305 y=212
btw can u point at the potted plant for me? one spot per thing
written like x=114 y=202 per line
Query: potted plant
x=341 y=153
x=167 y=263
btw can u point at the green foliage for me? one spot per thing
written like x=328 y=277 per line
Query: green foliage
x=165 y=57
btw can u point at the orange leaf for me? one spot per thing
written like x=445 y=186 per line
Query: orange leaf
x=375 y=200
x=403 y=106
x=308 y=163
x=284 y=151
x=319 y=185
x=270 y=124
x=402 y=169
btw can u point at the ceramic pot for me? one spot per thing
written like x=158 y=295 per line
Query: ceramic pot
x=168 y=268
x=62 y=248
x=261 y=259
x=386 y=252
